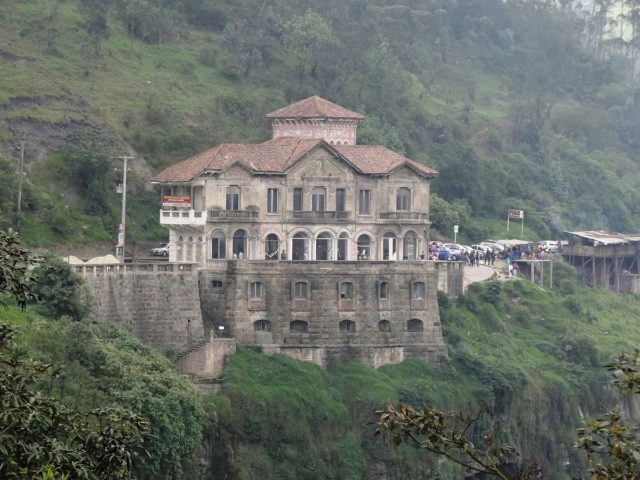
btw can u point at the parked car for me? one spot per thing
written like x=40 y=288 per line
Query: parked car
x=445 y=254
x=493 y=246
x=480 y=248
x=551 y=245
x=161 y=250
x=454 y=248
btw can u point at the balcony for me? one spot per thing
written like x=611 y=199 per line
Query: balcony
x=232 y=215
x=318 y=217
x=394 y=216
x=182 y=217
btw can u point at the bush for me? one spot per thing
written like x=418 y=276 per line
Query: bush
x=59 y=290
x=567 y=287
x=523 y=316
x=573 y=305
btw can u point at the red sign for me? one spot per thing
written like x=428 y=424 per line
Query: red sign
x=516 y=213
x=176 y=201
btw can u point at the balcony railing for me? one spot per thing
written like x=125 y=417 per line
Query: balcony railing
x=215 y=215
x=318 y=216
x=182 y=217
x=403 y=216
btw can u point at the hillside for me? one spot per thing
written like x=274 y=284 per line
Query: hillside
x=518 y=105
x=535 y=356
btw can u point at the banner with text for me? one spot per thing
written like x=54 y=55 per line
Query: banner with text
x=516 y=213
x=176 y=201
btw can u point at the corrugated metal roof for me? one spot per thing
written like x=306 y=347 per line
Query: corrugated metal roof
x=607 y=238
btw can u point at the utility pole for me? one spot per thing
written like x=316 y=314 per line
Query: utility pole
x=19 y=199
x=121 y=230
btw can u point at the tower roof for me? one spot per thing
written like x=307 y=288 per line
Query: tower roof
x=315 y=107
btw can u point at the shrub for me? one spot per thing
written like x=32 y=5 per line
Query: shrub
x=567 y=287
x=573 y=305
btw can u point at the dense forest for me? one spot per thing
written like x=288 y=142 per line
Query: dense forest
x=523 y=104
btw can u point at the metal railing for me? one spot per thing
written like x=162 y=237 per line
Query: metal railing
x=318 y=216
x=403 y=216
x=219 y=214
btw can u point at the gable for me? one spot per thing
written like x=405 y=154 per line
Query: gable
x=405 y=173
x=320 y=164
x=236 y=171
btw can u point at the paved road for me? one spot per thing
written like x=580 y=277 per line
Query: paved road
x=478 y=274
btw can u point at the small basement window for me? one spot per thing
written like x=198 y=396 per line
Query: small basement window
x=216 y=284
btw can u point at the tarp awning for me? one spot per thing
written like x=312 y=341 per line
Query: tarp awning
x=601 y=237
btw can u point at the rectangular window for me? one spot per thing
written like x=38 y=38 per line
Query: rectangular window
x=255 y=290
x=297 y=199
x=317 y=201
x=418 y=290
x=402 y=199
x=364 y=202
x=272 y=200
x=341 y=197
x=300 y=291
x=233 y=201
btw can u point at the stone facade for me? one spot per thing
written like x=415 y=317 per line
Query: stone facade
x=309 y=244
x=374 y=312
x=162 y=308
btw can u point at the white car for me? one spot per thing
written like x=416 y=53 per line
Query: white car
x=493 y=246
x=160 y=251
x=454 y=248
x=481 y=248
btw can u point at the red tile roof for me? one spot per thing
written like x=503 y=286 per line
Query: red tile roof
x=315 y=107
x=279 y=154
x=379 y=160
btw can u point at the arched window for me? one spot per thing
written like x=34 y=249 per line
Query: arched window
x=384 y=326
x=346 y=290
x=323 y=246
x=389 y=246
x=384 y=290
x=271 y=247
x=300 y=247
x=418 y=291
x=189 y=255
x=364 y=247
x=239 y=244
x=347 y=326
x=262 y=326
x=218 y=245
x=414 y=325
x=343 y=246
x=410 y=244
x=403 y=199
x=255 y=290
x=299 y=326
x=300 y=291
x=233 y=197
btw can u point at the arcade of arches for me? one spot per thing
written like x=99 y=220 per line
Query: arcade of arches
x=323 y=246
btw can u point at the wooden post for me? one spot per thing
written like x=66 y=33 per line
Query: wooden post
x=593 y=272
x=551 y=276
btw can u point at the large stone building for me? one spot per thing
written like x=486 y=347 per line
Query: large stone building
x=308 y=243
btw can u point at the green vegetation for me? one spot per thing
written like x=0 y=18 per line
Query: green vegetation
x=518 y=105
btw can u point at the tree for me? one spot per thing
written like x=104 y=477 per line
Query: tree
x=611 y=445
x=41 y=438
x=38 y=436
x=59 y=290
x=15 y=270
x=450 y=435
x=305 y=37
